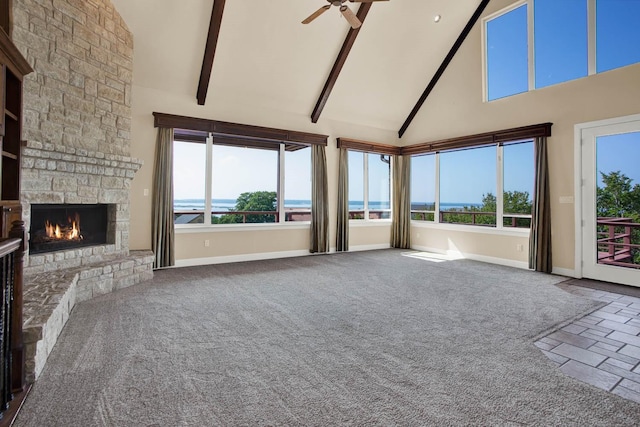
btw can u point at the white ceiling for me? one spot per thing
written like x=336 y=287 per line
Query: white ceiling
x=266 y=57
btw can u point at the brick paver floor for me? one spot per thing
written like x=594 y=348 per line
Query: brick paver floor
x=601 y=348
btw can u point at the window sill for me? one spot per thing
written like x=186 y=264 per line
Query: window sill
x=225 y=228
x=369 y=222
x=516 y=232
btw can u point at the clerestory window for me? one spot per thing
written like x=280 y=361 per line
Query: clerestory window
x=533 y=44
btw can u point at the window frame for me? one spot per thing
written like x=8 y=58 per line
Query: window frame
x=499 y=228
x=591 y=46
x=208 y=196
x=365 y=172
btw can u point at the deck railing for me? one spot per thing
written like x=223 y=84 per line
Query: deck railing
x=509 y=219
x=617 y=244
x=269 y=216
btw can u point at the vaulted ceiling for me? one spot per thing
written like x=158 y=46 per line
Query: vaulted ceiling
x=266 y=57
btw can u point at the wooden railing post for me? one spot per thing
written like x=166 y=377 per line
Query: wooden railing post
x=612 y=248
x=17 y=344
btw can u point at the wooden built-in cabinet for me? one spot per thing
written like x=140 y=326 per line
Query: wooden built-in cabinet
x=13 y=68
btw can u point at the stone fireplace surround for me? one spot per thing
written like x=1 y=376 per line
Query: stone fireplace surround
x=56 y=281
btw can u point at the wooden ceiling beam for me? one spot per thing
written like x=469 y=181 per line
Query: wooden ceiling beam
x=340 y=61
x=210 y=50
x=445 y=63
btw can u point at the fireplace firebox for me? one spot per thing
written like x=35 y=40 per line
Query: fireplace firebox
x=61 y=227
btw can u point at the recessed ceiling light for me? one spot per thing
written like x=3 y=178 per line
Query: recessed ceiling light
x=437 y=18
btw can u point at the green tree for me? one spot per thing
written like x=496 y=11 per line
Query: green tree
x=257 y=201
x=618 y=198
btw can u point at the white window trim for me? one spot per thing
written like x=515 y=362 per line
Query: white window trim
x=225 y=228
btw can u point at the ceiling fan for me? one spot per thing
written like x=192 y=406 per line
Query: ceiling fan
x=348 y=14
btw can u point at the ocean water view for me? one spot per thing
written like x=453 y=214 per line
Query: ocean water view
x=223 y=205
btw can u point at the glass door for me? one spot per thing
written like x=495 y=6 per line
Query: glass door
x=611 y=201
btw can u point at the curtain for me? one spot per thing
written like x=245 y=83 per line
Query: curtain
x=540 y=238
x=162 y=232
x=401 y=217
x=342 y=234
x=319 y=200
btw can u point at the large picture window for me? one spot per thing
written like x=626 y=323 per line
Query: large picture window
x=233 y=184
x=489 y=186
x=537 y=43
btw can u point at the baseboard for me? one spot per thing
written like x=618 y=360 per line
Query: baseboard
x=359 y=248
x=192 y=262
x=483 y=258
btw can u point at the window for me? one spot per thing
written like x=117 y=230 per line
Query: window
x=507 y=53
x=486 y=186
x=561 y=42
x=468 y=186
x=231 y=184
x=617 y=33
x=518 y=176
x=423 y=187
x=538 y=43
x=244 y=180
x=369 y=186
x=379 y=172
x=189 y=178
x=297 y=188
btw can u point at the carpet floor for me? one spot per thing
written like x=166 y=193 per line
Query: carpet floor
x=369 y=338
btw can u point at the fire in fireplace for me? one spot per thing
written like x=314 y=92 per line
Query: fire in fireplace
x=58 y=227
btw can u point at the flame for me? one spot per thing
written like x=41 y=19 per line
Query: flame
x=70 y=231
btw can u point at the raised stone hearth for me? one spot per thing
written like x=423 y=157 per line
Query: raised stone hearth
x=50 y=297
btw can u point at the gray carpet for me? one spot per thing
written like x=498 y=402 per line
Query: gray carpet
x=372 y=338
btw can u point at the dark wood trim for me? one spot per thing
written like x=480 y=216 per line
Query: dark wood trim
x=13 y=56
x=245 y=132
x=210 y=50
x=368 y=147
x=445 y=63
x=501 y=136
x=340 y=61
x=201 y=138
x=6 y=16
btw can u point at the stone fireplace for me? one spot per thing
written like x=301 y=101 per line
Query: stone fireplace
x=77 y=132
x=57 y=227
x=59 y=178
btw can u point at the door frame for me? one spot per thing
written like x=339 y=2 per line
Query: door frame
x=578 y=180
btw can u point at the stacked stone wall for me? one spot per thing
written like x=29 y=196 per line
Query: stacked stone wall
x=80 y=93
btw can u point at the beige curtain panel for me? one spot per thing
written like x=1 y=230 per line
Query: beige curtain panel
x=342 y=233
x=540 y=239
x=162 y=230
x=401 y=210
x=319 y=200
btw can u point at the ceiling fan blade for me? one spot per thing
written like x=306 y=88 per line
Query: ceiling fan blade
x=351 y=17
x=317 y=13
